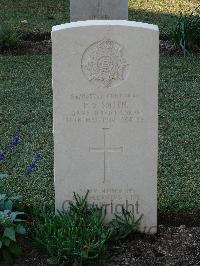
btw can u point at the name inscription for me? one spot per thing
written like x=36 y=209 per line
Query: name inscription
x=110 y=107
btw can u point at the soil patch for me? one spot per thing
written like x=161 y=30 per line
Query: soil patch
x=170 y=246
x=40 y=43
x=177 y=218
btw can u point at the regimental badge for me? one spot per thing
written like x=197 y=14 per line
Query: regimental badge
x=105 y=62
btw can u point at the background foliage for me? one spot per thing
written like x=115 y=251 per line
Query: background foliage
x=41 y=15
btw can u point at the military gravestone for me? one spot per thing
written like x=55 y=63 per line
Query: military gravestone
x=105 y=86
x=98 y=9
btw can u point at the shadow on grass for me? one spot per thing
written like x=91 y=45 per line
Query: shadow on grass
x=40 y=16
x=165 y=21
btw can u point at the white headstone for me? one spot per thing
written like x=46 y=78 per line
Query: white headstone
x=98 y=9
x=105 y=87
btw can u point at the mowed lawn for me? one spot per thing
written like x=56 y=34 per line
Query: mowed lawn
x=26 y=104
x=41 y=15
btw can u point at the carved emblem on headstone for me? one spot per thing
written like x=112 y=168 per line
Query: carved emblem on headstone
x=104 y=62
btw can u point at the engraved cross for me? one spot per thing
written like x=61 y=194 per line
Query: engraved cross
x=105 y=150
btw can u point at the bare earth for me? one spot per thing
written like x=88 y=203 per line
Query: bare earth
x=40 y=43
x=171 y=246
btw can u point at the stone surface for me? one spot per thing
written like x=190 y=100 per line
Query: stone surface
x=105 y=86
x=98 y=9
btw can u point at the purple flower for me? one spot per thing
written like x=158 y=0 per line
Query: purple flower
x=37 y=156
x=33 y=165
x=2 y=156
x=14 y=141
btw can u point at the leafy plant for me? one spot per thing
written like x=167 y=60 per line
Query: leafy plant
x=73 y=236
x=186 y=33
x=10 y=226
x=125 y=224
x=8 y=37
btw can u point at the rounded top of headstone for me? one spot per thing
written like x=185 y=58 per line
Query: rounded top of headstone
x=88 y=23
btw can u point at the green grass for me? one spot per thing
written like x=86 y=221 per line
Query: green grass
x=161 y=12
x=179 y=142
x=26 y=103
x=37 y=12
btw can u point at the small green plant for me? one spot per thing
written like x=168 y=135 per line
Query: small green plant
x=186 y=33
x=11 y=224
x=125 y=224
x=8 y=37
x=77 y=235
x=74 y=236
